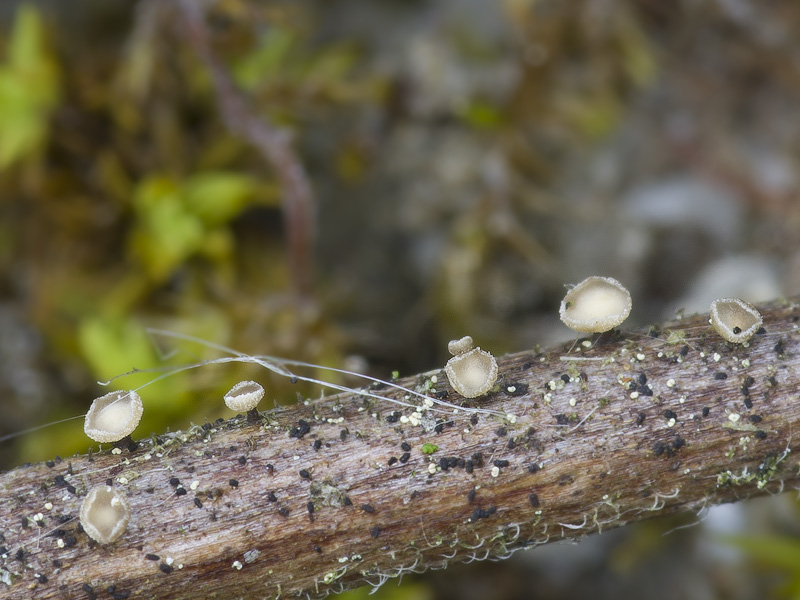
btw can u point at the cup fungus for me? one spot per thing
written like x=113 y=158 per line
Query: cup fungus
x=734 y=320
x=595 y=305
x=104 y=514
x=471 y=372
x=244 y=397
x=114 y=416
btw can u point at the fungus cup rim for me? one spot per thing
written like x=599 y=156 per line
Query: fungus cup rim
x=725 y=329
x=248 y=400
x=462 y=361
x=117 y=502
x=101 y=403
x=603 y=321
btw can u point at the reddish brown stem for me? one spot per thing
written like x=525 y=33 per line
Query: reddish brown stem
x=272 y=142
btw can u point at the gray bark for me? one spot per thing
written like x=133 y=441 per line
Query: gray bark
x=261 y=511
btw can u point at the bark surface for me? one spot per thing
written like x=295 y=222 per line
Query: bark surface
x=338 y=492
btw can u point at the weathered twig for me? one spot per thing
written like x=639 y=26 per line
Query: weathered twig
x=338 y=492
x=272 y=142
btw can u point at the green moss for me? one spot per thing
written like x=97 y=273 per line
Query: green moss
x=428 y=448
x=676 y=336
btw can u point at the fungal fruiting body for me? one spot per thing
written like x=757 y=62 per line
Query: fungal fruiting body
x=104 y=514
x=244 y=396
x=113 y=416
x=595 y=305
x=471 y=372
x=735 y=320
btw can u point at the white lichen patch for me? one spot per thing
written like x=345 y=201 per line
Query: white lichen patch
x=251 y=555
x=744 y=442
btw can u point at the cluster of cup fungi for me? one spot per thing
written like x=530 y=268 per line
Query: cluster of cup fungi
x=112 y=418
x=595 y=305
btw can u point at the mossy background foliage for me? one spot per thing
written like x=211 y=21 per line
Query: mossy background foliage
x=468 y=159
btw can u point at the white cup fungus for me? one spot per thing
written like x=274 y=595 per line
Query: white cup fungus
x=104 y=514
x=456 y=347
x=735 y=320
x=595 y=305
x=113 y=416
x=471 y=372
x=244 y=396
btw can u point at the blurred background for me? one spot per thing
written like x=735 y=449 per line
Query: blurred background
x=467 y=159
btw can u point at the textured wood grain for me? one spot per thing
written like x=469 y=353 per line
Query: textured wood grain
x=267 y=510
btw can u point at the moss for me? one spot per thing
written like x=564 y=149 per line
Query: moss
x=764 y=473
x=428 y=448
x=675 y=336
